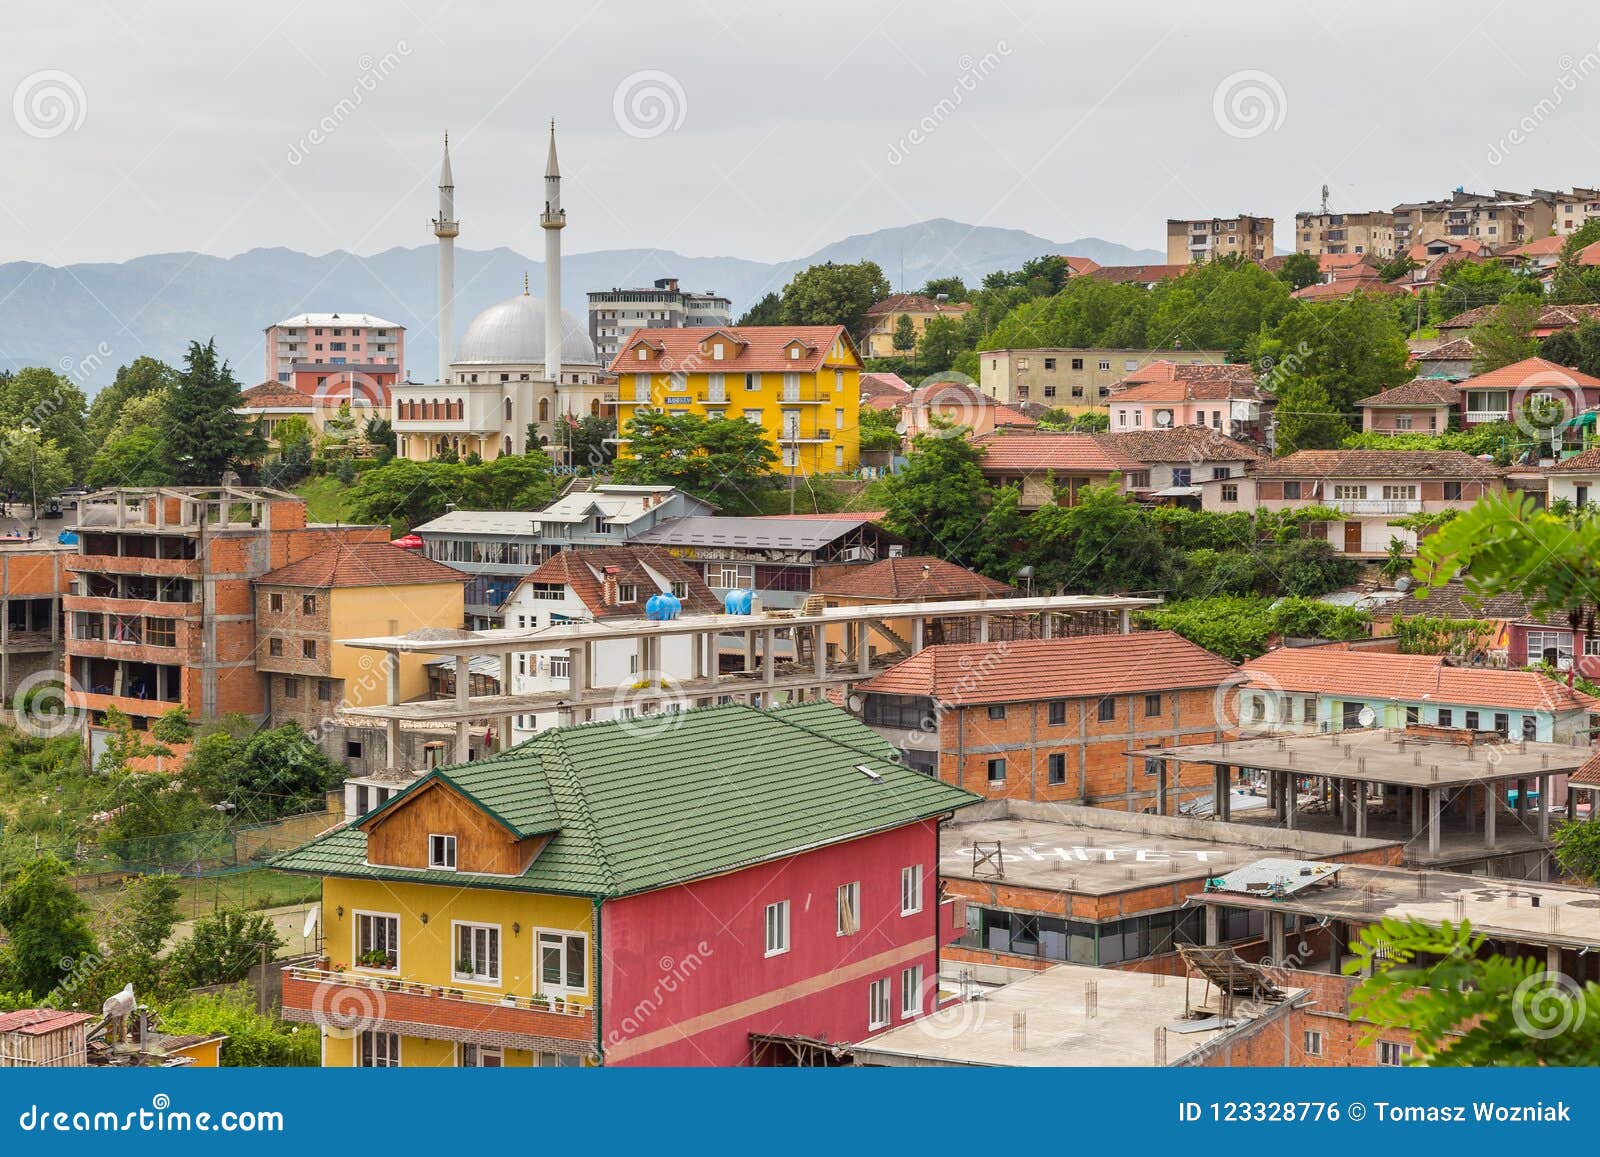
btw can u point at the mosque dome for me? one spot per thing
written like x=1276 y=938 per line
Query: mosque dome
x=511 y=332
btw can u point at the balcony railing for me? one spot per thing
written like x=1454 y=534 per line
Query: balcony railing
x=1488 y=415
x=1377 y=505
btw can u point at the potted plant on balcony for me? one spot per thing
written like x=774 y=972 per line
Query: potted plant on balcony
x=463 y=967
x=509 y=1000
x=374 y=958
x=540 y=1000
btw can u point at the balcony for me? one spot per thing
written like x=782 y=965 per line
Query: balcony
x=1477 y=417
x=790 y=437
x=350 y=1001
x=1376 y=505
x=135 y=565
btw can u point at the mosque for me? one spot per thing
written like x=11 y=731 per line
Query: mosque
x=525 y=370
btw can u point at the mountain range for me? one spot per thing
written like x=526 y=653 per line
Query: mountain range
x=84 y=320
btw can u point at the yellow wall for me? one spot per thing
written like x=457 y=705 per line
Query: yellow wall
x=359 y=612
x=814 y=457
x=206 y=1054
x=339 y=1052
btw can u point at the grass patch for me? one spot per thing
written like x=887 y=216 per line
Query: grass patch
x=256 y=888
x=326 y=499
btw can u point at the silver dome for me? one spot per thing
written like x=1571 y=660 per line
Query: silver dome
x=511 y=332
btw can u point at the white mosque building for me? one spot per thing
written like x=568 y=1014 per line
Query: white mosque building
x=525 y=367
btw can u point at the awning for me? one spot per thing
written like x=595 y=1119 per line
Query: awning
x=1179 y=492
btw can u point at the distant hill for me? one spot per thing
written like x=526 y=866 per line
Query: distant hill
x=87 y=319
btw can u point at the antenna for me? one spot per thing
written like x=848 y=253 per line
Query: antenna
x=1324 y=200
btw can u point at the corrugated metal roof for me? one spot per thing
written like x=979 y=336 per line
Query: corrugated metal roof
x=752 y=533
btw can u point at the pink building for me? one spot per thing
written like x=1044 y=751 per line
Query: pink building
x=1164 y=394
x=1422 y=406
x=1500 y=394
x=353 y=357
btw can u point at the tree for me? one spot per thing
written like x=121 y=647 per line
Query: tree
x=1571 y=282
x=204 y=437
x=273 y=773
x=1102 y=544
x=139 y=378
x=142 y=920
x=879 y=429
x=1467 y=284
x=137 y=458
x=768 y=310
x=1353 y=347
x=1578 y=348
x=254 y=1041
x=510 y=482
x=47 y=925
x=31 y=465
x=939 y=500
x=941 y=341
x=1223 y=304
x=834 y=294
x=379 y=433
x=173 y=726
x=1300 y=270
x=591 y=442
x=1307 y=418
x=1578 y=850
x=42 y=401
x=224 y=946
x=953 y=288
x=727 y=462
x=905 y=333
x=1506 y=335
x=404 y=492
x=1465 y=1007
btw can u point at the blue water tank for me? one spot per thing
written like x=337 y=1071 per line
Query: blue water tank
x=662 y=606
x=68 y=538
x=738 y=602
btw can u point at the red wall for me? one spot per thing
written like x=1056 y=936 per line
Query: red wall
x=685 y=978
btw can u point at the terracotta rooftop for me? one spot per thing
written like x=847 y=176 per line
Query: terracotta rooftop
x=1408 y=464
x=1551 y=317
x=889 y=386
x=1038 y=451
x=1417 y=392
x=1345 y=282
x=364 y=564
x=38 y=1021
x=1144 y=274
x=648 y=569
x=915 y=303
x=1583 y=462
x=906 y=579
x=1164 y=381
x=1178 y=444
x=1383 y=675
x=274 y=395
x=749 y=348
x=1455 y=350
x=1530 y=373
x=1074 y=668
x=1587 y=775
x=942 y=396
x=1451 y=601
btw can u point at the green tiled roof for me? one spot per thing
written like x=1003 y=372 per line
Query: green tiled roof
x=645 y=803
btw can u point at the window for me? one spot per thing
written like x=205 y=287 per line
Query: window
x=1447 y=717
x=563 y=962
x=308 y=648
x=1472 y=721
x=1107 y=710
x=778 y=928
x=482 y=1057
x=1057 y=767
x=1058 y=712
x=1313 y=1043
x=291 y=688
x=477 y=952
x=911 y=890
x=275 y=603
x=377 y=941
x=308 y=604
x=1308 y=710
x=275 y=647
x=910 y=991
x=1349 y=491
x=1230 y=492
x=1152 y=705
x=849 y=909
x=1291 y=490
x=997 y=771
x=1530 y=727
x=1553 y=647
x=352 y=749
x=627 y=593
x=1105 y=365
x=379 y=1050
x=1400 y=493
x=1502 y=724
x=1392 y=1054
x=1049 y=363
x=325 y=690
x=878 y=1003
x=1180 y=475
x=442 y=852
x=1077 y=363
x=997 y=711
x=1413 y=714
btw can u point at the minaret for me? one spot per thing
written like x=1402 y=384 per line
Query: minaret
x=552 y=221
x=446 y=228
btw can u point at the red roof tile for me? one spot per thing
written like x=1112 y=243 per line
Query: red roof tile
x=905 y=579
x=1371 y=674
x=1417 y=392
x=1030 y=451
x=746 y=349
x=1179 y=444
x=1450 y=464
x=1455 y=350
x=649 y=569
x=1587 y=775
x=38 y=1021
x=274 y=395
x=1140 y=274
x=1075 y=668
x=1530 y=373
x=364 y=564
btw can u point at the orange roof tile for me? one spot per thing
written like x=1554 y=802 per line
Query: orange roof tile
x=1075 y=668
x=916 y=303
x=1588 y=774
x=1530 y=373
x=38 y=1021
x=1030 y=451
x=1194 y=444
x=362 y=564
x=905 y=579
x=1378 y=464
x=746 y=349
x=1370 y=674
x=1417 y=392
x=650 y=569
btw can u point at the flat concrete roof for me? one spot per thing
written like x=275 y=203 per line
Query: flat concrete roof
x=1501 y=909
x=1129 y=1009
x=1387 y=756
x=1098 y=852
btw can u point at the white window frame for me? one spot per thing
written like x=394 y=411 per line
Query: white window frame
x=1399 y=492
x=1349 y=491
x=848 y=909
x=565 y=935
x=437 y=862
x=490 y=979
x=1396 y=1053
x=1558 y=641
x=878 y=1003
x=776 y=923
x=911 y=890
x=355 y=939
x=391 y=1053
x=470 y=1056
x=911 y=992
x=1311 y=1042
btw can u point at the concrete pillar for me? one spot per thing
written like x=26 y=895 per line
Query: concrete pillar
x=916 y=634
x=1361 y=809
x=1291 y=817
x=1416 y=811
x=1433 y=821
x=1213 y=924
x=1552 y=959
x=983 y=628
x=391 y=736
x=819 y=645
x=1219 y=791
x=769 y=658
x=863 y=650
x=1491 y=805
x=1522 y=797
x=1275 y=936
x=1544 y=807
x=463 y=744
x=1161 y=787
x=1335 y=946
x=1047 y=625
x=750 y=649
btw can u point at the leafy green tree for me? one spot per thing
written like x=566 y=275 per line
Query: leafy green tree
x=952 y=287
x=1240 y=627
x=1003 y=548
x=255 y=1041
x=142 y=920
x=1577 y=848
x=591 y=442
x=939 y=499
x=1465 y=1007
x=140 y=378
x=1102 y=543
x=905 y=333
x=277 y=772
x=31 y=465
x=1506 y=335
x=1353 y=348
x=768 y=310
x=510 y=482
x=879 y=429
x=1223 y=304
x=224 y=946
x=941 y=342
x=379 y=433
x=1300 y=270
x=1467 y=284
x=47 y=926
x=40 y=400
x=834 y=294
x=727 y=462
x=405 y=493
x=1578 y=347
x=174 y=726
x=1308 y=418
x=1571 y=282
x=204 y=437
x=1398 y=267
x=137 y=458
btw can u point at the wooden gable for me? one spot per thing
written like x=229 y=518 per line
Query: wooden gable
x=398 y=835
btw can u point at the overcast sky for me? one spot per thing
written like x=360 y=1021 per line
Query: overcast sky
x=762 y=130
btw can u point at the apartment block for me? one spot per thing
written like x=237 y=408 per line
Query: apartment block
x=884 y=317
x=1075 y=380
x=1574 y=209
x=1192 y=241
x=614 y=314
x=33 y=579
x=1320 y=233
x=1495 y=219
x=162 y=610
x=302 y=348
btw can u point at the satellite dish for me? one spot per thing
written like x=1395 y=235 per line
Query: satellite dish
x=313 y=918
x=1163 y=418
x=1367 y=717
x=855 y=702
